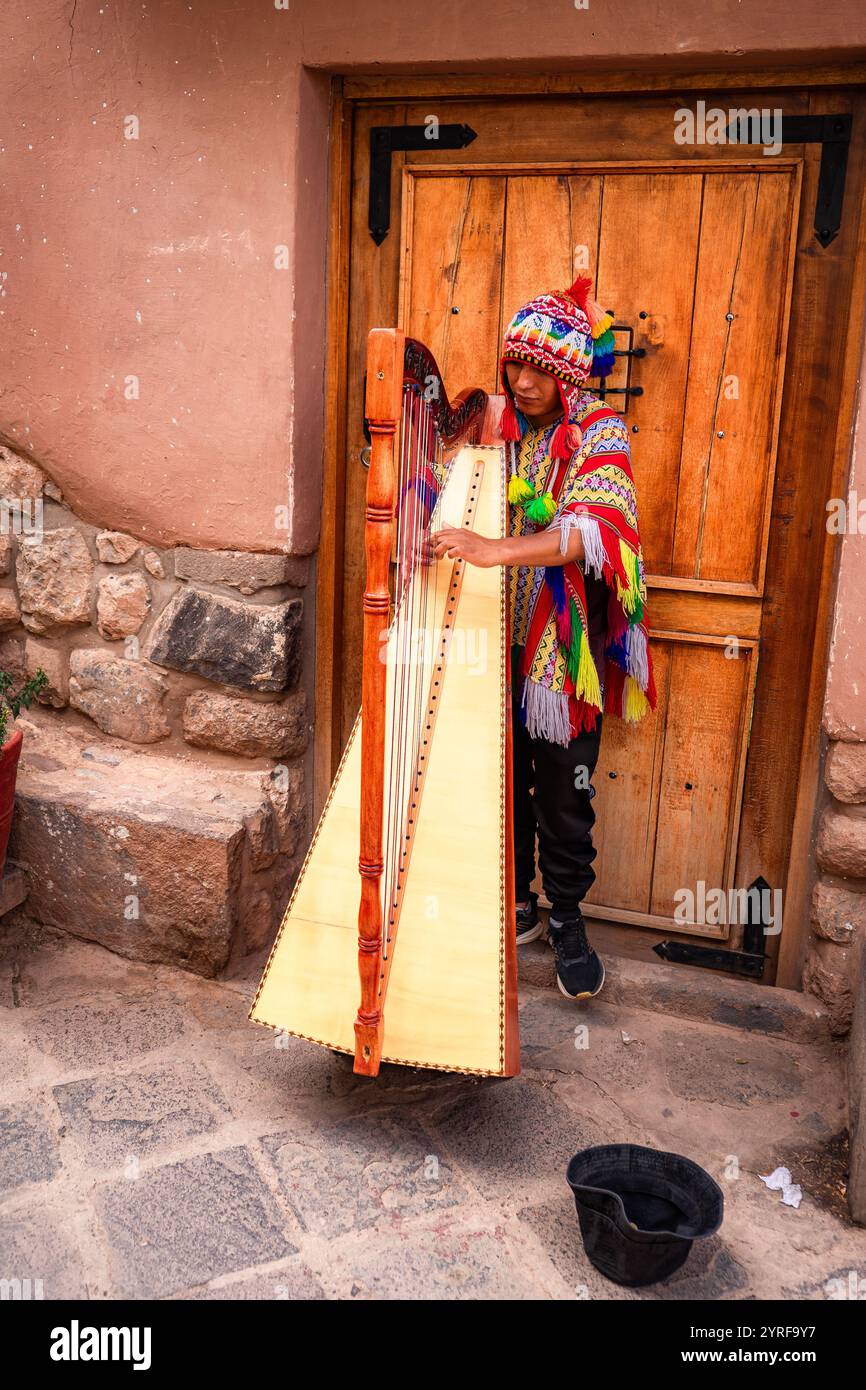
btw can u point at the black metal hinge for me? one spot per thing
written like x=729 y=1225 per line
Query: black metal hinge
x=384 y=139
x=833 y=134
x=749 y=961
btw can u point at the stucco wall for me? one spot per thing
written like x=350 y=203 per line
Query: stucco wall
x=153 y=259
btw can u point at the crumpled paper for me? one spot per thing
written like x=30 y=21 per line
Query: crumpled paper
x=780 y=1181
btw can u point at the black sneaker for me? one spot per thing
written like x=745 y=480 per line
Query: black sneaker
x=579 y=971
x=529 y=926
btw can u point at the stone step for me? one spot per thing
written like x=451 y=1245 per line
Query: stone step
x=687 y=991
x=158 y=858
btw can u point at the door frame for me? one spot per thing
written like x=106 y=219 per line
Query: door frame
x=348 y=93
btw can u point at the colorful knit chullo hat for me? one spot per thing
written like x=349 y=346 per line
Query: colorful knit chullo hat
x=567 y=334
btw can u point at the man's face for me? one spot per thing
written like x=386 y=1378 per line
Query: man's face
x=536 y=393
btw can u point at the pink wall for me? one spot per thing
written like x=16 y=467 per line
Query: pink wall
x=154 y=258
x=845 y=701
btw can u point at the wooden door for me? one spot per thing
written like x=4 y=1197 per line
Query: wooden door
x=708 y=254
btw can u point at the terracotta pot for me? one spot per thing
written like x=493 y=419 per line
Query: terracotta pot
x=9 y=755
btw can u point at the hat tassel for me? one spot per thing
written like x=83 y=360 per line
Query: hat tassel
x=579 y=292
x=508 y=426
x=560 y=446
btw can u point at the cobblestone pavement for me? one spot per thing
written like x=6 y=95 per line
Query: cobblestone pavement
x=154 y=1144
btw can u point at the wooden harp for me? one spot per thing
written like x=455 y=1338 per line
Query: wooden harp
x=424 y=972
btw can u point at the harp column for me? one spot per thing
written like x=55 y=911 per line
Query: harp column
x=383 y=409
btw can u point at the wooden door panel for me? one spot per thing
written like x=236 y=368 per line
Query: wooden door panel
x=708 y=707
x=669 y=791
x=644 y=269
x=450 y=281
x=738 y=340
x=605 y=129
x=627 y=802
x=547 y=219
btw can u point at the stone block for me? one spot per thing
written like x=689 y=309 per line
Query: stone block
x=828 y=974
x=189 y=1222
x=251 y=647
x=467 y=1257
x=55 y=663
x=246 y=727
x=261 y=828
x=39 y=1248
x=55 y=576
x=845 y=771
x=106 y=1031
x=372 y=1170
x=10 y=613
x=285 y=791
x=857 y=1095
x=115 y=547
x=138 y=1114
x=841 y=846
x=18 y=476
x=12 y=657
x=122 y=604
x=7 y=554
x=238 y=569
x=28 y=1147
x=153 y=564
x=838 y=915
x=137 y=853
x=124 y=698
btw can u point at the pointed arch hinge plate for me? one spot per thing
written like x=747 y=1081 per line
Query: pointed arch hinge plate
x=833 y=134
x=384 y=139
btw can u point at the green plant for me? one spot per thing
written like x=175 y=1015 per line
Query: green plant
x=23 y=697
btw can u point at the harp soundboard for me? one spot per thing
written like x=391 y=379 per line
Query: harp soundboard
x=416 y=965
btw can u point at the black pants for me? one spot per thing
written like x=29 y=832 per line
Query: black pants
x=553 y=798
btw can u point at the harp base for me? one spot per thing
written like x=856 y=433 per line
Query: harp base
x=368 y=1047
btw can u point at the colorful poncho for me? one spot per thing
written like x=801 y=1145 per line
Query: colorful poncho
x=594 y=490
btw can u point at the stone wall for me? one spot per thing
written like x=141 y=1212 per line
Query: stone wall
x=179 y=672
x=839 y=893
x=833 y=966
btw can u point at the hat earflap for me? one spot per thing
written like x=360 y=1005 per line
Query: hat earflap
x=508 y=424
x=601 y=325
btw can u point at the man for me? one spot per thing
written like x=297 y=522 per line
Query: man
x=578 y=604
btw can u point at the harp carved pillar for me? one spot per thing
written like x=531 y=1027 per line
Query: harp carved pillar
x=383 y=410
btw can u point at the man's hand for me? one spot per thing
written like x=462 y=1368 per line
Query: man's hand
x=461 y=543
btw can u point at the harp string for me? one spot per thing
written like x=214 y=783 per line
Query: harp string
x=413 y=633
x=393 y=650
x=397 y=652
